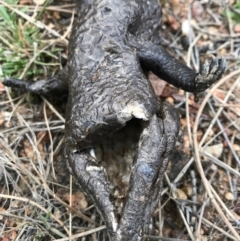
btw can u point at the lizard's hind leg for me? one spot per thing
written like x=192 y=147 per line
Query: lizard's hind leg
x=171 y=125
x=92 y=178
x=156 y=142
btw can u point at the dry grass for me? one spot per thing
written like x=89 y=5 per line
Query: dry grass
x=38 y=199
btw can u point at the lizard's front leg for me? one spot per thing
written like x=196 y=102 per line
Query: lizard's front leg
x=155 y=58
x=55 y=84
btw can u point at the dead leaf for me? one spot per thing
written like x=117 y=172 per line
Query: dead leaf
x=78 y=198
x=157 y=84
x=57 y=213
x=167 y=91
x=25 y=2
x=175 y=2
x=197 y=10
x=2 y=117
x=42 y=137
x=186 y=142
x=23 y=110
x=13 y=235
x=56 y=15
x=219 y=94
x=2 y=210
x=51 y=25
x=236 y=108
x=189 y=190
x=7 y=124
x=199 y=135
x=214 y=150
x=29 y=151
x=213 y=30
x=236 y=28
x=170 y=100
x=173 y=23
x=181 y=194
x=5 y=239
x=236 y=147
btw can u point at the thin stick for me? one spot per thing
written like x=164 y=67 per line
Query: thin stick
x=82 y=234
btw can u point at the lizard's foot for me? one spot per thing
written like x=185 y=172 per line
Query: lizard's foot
x=15 y=83
x=211 y=71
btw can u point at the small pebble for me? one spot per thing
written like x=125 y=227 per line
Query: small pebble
x=229 y=196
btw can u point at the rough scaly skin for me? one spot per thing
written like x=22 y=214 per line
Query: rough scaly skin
x=113 y=45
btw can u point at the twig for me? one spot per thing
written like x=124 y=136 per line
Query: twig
x=62 y=8
x=187 y=94
x=53 y=109
x=82 y=234
x=51 y=143
x=164 y=238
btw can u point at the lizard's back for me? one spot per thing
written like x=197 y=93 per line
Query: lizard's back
x=105 y=76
